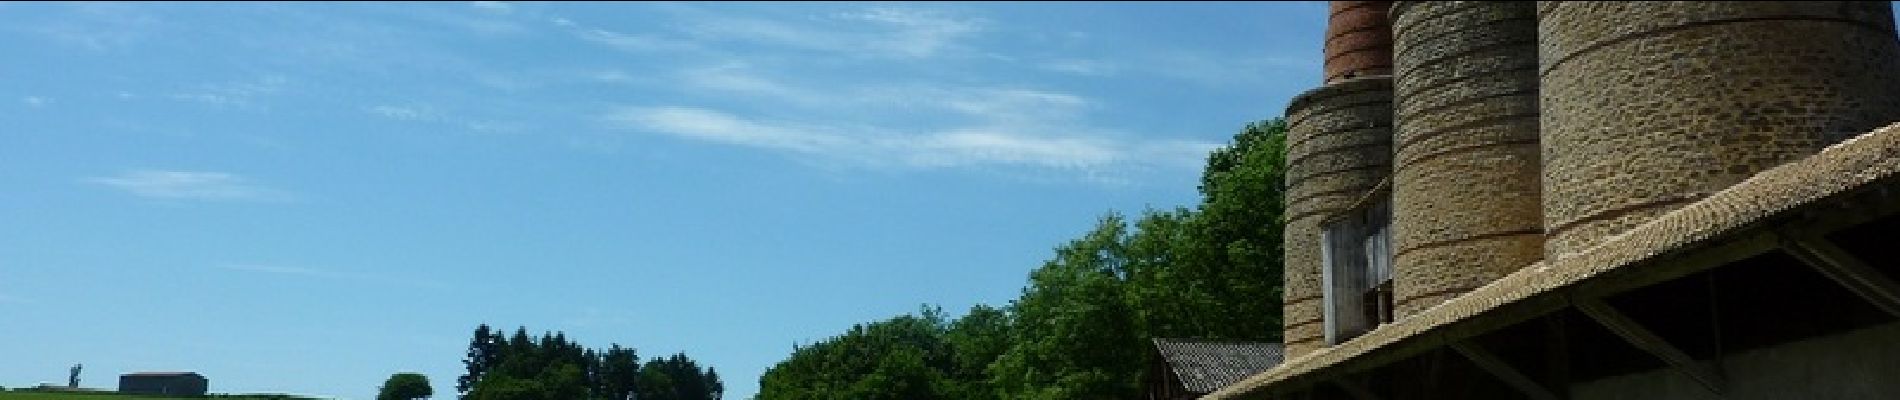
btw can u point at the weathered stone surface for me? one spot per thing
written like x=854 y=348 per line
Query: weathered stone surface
x=1467 y=204
x=1648 y=106
x=1338 y=147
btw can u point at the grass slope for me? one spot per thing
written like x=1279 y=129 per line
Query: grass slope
x=33 y=395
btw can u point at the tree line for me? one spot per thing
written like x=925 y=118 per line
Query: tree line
x=1081 y=327
x=552 y=367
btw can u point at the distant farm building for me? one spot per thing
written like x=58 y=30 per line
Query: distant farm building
x=165 y=383
x=1187 y=369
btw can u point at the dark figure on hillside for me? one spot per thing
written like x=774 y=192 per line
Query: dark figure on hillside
x=72 y=381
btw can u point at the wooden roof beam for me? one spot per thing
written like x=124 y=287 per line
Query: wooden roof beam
x=1849 y=271
x=1648 y=341
x=1502 y=370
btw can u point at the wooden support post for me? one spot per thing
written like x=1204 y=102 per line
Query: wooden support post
x=1846 y=269
x=1503 y=371
x=1642 y=338
x=1557 y=353
x=1358 y=391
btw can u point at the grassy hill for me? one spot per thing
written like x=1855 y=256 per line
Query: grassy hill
x=39 y=395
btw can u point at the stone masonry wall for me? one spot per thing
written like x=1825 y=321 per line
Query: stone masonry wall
x=1466 y=194
x=1648 y=106
x=1338 y=148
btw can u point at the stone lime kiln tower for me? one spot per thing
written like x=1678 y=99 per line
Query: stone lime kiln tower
x=1594 y=200
x=1339 y=140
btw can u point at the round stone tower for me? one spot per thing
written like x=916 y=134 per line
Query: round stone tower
x=1465 y=187
x=1358 y=40
x=1648 y=106
x=1338 y=149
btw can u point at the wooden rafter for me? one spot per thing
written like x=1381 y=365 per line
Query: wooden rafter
x=1847 y=270
x=1503 y=371
x=1358 y=391
x=1648 y=341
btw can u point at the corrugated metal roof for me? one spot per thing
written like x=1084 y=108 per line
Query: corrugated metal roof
x=1205 y=366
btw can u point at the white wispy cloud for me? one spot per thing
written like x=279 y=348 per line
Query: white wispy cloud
x=915 y=33
x=737 y=77
x=978 y=145
x=1081 y=67
x=613 y=76
x=429 y=114
x=992 y=104
x=719 y=127
x=404 y=113
x=100 y=25
x=874 y=32
x=631 y=42
x=499 y=7
x=35 y=101
x=998 y=144
x=188 y=185
x=884 y=121
x=242 y=94
x=1018 y=105
x=490 y=18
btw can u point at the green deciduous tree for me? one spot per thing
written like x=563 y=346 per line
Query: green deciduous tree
x=1075 y=334
x=914 y=356
x=1081 y=326
x=405 y=386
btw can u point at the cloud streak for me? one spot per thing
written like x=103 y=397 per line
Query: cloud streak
x=993 y=144
x=188 y=185
x=241 y=94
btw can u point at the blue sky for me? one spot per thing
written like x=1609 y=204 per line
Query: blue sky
x=305 y=198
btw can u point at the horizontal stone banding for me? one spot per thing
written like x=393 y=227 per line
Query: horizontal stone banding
x=1406 y=50
x=1335 y=172
x=1347 y=191
x=1303 y=299
x=1423 y=158
x=1506 y=53
x=1612 y=213
x=1337 y=150
x=1468 y=101
x=1291 y=342
x=1407 y=144
x=1380 y=100
x=1304 y=323
x=1598 y=45
x=1413 y=88
x=1405 y=302
x=1473 y=238
x=1345 y=136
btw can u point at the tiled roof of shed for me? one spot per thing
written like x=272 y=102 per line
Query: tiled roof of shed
x=1865 y=160
x=1204 y=366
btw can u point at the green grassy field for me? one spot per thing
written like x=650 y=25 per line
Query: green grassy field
x=29 y=395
